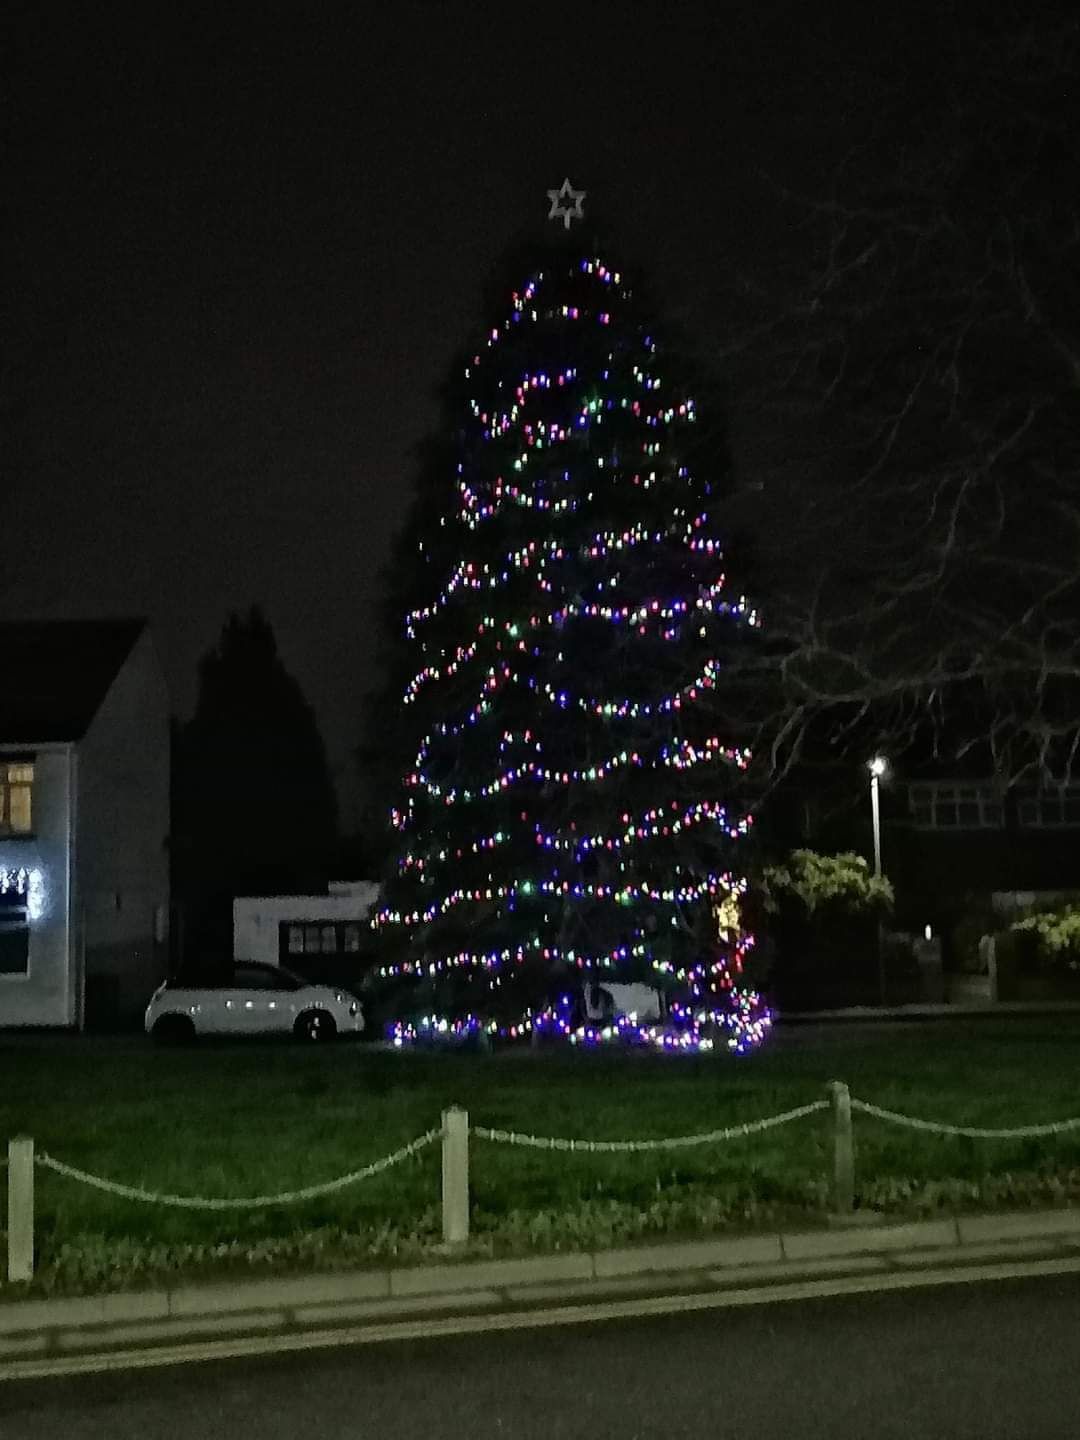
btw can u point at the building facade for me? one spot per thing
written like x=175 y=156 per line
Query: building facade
x=321 y=937
x=84 y=822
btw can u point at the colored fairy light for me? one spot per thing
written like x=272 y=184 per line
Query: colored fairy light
x=739 y=1027
x=571 y=805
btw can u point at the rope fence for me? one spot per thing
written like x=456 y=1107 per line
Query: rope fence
x=251 y=1202
x=678 y=1142
x=971 y=1132
x=455 y=1132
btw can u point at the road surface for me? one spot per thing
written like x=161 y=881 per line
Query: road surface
x=982 y=1360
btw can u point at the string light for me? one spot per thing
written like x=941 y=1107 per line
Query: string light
x=558 y=887
x=678 y=755
x=26 y=881
x=514 y=829
x=738 y=1028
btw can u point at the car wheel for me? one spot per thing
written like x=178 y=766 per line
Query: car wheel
x=315 y=1026
x=174 y=1030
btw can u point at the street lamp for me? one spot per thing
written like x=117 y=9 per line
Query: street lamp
x=877 y=767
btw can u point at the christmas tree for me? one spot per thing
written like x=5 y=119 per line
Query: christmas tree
x=570 y=813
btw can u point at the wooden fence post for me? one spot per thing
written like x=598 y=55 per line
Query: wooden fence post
x=843 y=1158
x=455 y=1176
x=20 y=1210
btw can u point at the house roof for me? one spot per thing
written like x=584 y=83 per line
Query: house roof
x=54 y=674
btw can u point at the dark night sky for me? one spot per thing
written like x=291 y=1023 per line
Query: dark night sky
x=245 y=252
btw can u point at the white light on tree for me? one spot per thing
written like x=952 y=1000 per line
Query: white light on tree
x=35 y=895
x=30 y=883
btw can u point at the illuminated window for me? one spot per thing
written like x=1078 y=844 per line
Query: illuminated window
x=312 y=939
x=16 y=797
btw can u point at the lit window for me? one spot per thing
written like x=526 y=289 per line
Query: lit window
x=328 y=938
x=296 y=939
x=16 y=797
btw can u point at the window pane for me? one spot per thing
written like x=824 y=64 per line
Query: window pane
x=296 y=939
x=967 y=813
x=311 y=939
x=329 y=940
x=352 y=938
x=992 y=812
x=16 y=781
x=14 y=950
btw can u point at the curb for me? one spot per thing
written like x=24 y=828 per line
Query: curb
x=38 y=1328
x=926 y=1010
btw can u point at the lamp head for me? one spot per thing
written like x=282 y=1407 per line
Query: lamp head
x=877 y=766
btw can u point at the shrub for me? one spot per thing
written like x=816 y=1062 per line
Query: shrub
x=1056 y=933
x=836 y=883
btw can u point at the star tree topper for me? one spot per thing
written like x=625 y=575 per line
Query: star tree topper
x=560 y=210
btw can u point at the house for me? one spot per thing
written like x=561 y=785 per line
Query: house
x=961 y=848
x=957 y=836
x=84 y=822
x=321 y=937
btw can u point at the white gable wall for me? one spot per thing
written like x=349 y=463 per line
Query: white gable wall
x=257 y=919
x=123 y=828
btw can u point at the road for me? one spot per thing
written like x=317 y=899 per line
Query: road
x=981 y=1360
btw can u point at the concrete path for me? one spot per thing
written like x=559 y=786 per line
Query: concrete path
x=159 y=1328
x=985 y=1361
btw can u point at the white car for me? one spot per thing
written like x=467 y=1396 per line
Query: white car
x=252 y=999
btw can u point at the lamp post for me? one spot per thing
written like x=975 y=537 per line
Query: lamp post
x=877 y=767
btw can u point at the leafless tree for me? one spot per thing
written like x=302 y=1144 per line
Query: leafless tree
x=918 y=356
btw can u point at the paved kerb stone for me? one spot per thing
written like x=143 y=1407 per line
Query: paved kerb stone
x=693 y=1255
x=154 y=1332
x=788 y=1270
x=973 y=1254
x=916 y=1236
x=279 y=1294
x=11 y=1347
x=390 y=1310
x=976 y=1229
x=62 y=1314
x=489 y=1274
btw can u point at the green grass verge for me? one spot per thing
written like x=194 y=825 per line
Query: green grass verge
x=262 y=1118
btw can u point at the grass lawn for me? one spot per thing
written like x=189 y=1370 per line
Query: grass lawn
x=261 y=1118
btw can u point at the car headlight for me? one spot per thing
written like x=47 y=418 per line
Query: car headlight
x=354 y=1010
